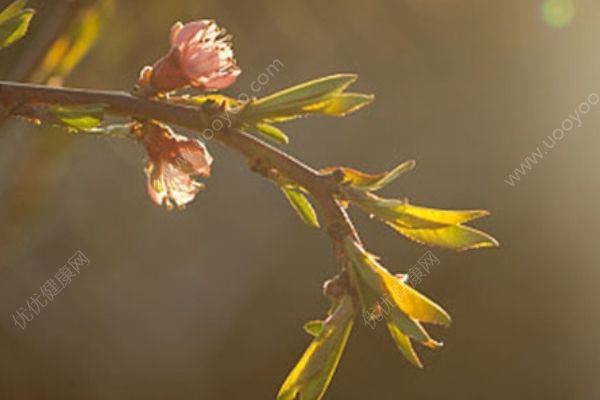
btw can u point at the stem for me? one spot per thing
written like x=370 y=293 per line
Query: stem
x=323 y=187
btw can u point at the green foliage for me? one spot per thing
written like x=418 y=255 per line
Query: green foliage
x=371 y=182
x=424 y=225
x=272 y=132
x=428 y=226
x=313 y=328
x=407 y=308
x=320 y=96
x=323 y=96
x=343 y=104
x=80 y=117
x=312 y=374
x=404 y=344
x=12 y=10
x=301 y=205
x=301 y=95
x=14 y=23
x=207 y=98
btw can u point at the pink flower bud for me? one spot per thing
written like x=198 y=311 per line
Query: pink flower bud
x=174 y=162
x=200 y=56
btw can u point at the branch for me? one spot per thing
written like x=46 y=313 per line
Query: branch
x=262 y=157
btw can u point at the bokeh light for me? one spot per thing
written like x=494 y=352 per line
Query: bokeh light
x=558 y=13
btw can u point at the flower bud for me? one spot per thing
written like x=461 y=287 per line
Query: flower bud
x=200 y=56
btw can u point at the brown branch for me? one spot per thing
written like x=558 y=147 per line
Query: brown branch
x=323 y=187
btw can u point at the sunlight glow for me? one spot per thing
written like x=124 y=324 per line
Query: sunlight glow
x=558 y=13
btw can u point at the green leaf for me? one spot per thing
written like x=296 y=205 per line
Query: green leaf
x=391 y=176
x=413 y=303
x=12 y=10
x=410 y=216
x=199 y=100
x=14 y=23
x=80 y=117
x=424 y=225
x=313 y=328
x=409 y=326
x=346 y=103
x=313 y=373
x=408 y=300
x=371 y=182
x=321 y=96
x=404 y=344
x=455 y=237
x=301 y=205
x=272 y=132
x=407 y=307
x=304 y=93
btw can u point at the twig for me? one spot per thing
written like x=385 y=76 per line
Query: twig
x=323 y=187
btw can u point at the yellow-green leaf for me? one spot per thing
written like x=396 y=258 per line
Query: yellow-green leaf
x=409 y=325
x=304 y=93
x=13 y=9
x=411 y=302
x=301 y=205
x=321 y=96
x=391 y=176
x=417 y=217
x=215 y=98
x=404 y=307
x=312 y=374
x=408 y=300
x=313 y=328
x=426 y=225
x=404 y=344
x=80 y=117
x=400 y=212
x=345 y=103
x=273 y=133
x=455 y=237
x=14 y=26
x=371 y=182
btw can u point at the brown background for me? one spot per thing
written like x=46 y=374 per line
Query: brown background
x=209 y=303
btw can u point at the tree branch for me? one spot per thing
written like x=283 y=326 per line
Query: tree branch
x=262 y=157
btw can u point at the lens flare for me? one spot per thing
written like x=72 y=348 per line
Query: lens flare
x=558 y=13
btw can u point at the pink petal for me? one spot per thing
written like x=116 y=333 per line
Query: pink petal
x=191 y=31
x=175 y=29
x=199 y=63
x=181 y=188
x=222 y=81
x=196 y=154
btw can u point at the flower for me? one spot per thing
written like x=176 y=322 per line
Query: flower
x=174 y=161
x=200 y=56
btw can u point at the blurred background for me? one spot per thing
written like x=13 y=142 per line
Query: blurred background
x=209 y=302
